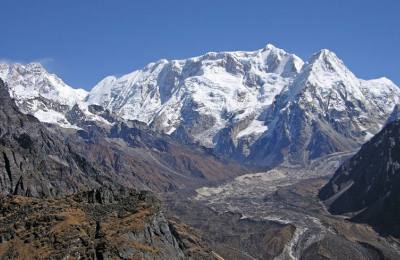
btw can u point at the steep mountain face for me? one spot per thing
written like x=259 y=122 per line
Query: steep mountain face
x=262 y=108
x=325 y=110
x=40 y=93
x=35 y=161
x=94 y=224
x=395 y=115
x=198 y=98
x=367 y=187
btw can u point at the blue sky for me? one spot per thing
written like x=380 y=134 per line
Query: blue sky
x=84 y=41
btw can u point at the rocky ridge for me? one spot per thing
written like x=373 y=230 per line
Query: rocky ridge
x=95 y=224
x=366 y=187
x=35 y=161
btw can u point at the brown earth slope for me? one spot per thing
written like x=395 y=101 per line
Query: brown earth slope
x=96 y=224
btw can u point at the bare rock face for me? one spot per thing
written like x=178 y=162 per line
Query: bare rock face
x=395 y=115
x=36 y=162
x=367 y=187
x=97 y=224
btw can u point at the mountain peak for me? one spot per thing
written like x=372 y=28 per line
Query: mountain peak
x=270 y=46
x=8 y=69
x=326 y=61
x=39 y=92
x=325 y=55
x=325 y=52
x=33 y=67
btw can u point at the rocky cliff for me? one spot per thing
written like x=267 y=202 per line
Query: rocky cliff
x=34 y=161
x=367 y=187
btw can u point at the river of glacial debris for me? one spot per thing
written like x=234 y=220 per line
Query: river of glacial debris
x=287 y=195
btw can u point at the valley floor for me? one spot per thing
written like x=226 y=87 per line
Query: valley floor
x=277 y=215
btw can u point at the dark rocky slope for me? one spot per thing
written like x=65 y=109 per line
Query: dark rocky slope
x=96 y=224
x=139 y=156
x=36 y=162
x=367 y=187
x=395 y=115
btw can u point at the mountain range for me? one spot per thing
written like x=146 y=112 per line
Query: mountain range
x=177 y=125
x=260 y=108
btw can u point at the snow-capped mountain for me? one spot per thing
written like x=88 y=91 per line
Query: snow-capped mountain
x=202 y=95
x=325 y=110
x=264 y=107
x=40 y=93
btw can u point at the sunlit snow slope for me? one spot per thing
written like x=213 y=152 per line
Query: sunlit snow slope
x=263 y=107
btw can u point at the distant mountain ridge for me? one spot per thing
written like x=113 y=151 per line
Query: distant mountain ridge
x=40 y=93
x=261 y=107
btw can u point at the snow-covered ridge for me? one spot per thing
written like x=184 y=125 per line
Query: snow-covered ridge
x=31 y=80
x=41 y=93
x=217 y=85
x=239 y=103
x=226 y=88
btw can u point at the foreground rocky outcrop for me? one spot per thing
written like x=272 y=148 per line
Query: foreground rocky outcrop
x=367 y=187
x=96 y=224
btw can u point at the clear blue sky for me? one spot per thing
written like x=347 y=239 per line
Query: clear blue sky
x=85 y=40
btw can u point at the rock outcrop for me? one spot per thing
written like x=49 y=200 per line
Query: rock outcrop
x=35 y=161
x=96 y=224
